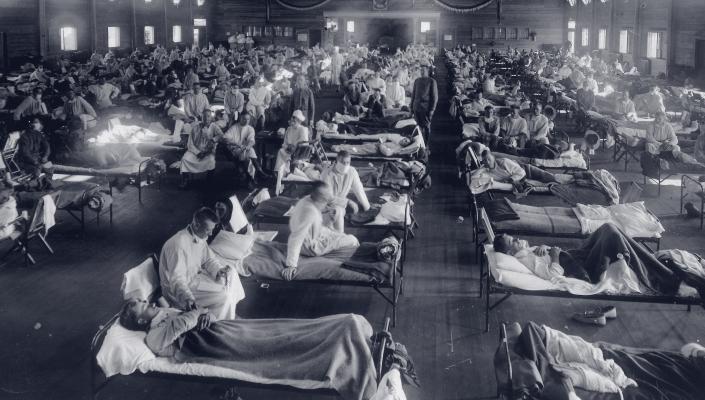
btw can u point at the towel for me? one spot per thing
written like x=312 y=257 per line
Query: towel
x=48 y=212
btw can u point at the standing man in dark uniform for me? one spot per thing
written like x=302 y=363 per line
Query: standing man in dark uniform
x=423 y=102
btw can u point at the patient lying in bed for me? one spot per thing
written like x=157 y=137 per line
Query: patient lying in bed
x=333 y=352
x=387 y=147
x=608 y=261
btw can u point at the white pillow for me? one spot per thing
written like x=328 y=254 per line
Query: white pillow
x=504 y=262
x=232 y=246
x=404 y=123
x=122 y=351
x=140 y=281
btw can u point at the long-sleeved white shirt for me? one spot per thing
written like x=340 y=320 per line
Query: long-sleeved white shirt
x=182 y=258
x=195 y=105
x=507 y=170
x=343 y=184
x=305 y=224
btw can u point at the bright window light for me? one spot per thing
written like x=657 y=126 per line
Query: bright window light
x=585 y=37
x=425 y=26
x=571 y=39
x=176 y=33
x=196 y=35
x=113 y=36
x=602 y=39
x=571 y=24
x=624 y=46
x=350 y=26
x=200 y=22
x=69 y=38
x=653 y=45
x=148 y=35
x=200 y=2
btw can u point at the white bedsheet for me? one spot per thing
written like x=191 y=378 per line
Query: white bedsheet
x=169 y=366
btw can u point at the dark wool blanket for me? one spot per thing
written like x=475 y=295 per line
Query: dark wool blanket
x=332 y=352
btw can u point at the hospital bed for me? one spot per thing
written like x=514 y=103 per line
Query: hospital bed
x=135 y=358
x=490 y=277
x=659 y=375
x=568 y=222
x=135 y=173
x=325 y=270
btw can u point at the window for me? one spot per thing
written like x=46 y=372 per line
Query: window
x=176 y=33
x=489 y=33
x=501 y=33
x=585 y=37
x=200 y=2
x=624 y=41
x=113 y=36
x=654 y=45
x=425 y=26
x=69 y=38
x=148 y=35
x=350 y=26
x=571 y=39
x=513 y=34
x=571 y=24
x=477 y=33
x=525 y=33
x=602 y=39
x=200 y=22
x=196 y=35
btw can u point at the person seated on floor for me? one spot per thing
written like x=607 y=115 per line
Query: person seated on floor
x=104 y=93
x=309 y=353
x=660 y=136
x=192 y=277
x=200 y=149
x=240 y=143
x=489 y=126
x=539 y=126
x=596 y=262
x=375 y=105
x=514 y=128
x=625 y=108
x=33 y=151
x=31 y=106
x=294 y=135
x=343 y=179
x=309 y=236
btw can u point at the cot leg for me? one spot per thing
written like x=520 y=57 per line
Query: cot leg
x=487 y=302
x=702 y=209
x=688 y=307
x=41 y=237
x=111 y=215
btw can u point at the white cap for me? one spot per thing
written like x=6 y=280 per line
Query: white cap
x=299 y=115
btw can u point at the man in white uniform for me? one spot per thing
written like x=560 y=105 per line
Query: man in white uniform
x=190 y=274
x=342 y=178
x=308 y=235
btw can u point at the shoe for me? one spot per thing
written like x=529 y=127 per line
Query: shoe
x=609 y=311
x=591 y=317
x=691 y=211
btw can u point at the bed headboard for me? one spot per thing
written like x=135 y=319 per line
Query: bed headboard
x=486 y=225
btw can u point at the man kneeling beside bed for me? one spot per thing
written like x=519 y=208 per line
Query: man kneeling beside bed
x=608 y=261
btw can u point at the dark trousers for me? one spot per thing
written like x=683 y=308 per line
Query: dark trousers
x=423 y=119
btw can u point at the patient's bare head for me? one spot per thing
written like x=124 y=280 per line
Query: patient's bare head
x=488 y=159
x=203 y=223
x=136 y=314
x=508 y=244
x=321 y=194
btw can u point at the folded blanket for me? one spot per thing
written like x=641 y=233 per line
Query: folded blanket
x=500 y=210
x=366 y=260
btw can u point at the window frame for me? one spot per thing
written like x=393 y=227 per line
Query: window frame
x=350 y=26
x=625 y=34
x=425 y=26
x=659 y=45
x=115 y=42
x=602 y=42
x=144 y=35
x=62 y=38
x=174 y=30
x=585 y=37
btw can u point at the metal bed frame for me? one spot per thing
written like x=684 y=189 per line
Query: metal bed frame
x=489 y=286
x=96 y=373
x=700 y=193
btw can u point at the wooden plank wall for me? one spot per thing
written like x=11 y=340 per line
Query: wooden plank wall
x=539 y=16
x=18 y=19
x=681 y=20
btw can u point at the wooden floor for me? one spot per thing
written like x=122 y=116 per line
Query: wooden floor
x=50 y=311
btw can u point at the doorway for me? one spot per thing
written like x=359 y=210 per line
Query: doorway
x=700 y=59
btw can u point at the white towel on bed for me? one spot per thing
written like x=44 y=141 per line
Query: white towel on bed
x=48 y=212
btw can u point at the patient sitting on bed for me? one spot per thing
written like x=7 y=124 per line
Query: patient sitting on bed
x=329 y=352
x=598 y=262
x=504 y=170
